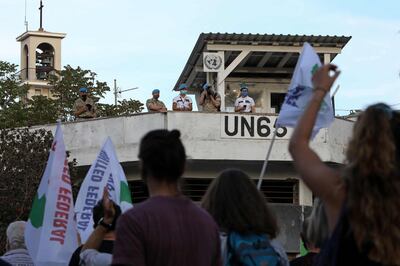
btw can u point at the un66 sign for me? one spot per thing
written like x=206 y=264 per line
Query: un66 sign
x=251 y=126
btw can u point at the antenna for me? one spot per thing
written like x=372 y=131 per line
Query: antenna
x=26 y=22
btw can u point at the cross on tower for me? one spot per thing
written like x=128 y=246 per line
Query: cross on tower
x=41 y=15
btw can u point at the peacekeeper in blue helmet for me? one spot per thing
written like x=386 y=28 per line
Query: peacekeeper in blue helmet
x=84 y=106
x=210 y=99
x=182 y=102
x=245 y=104
x=154 y=104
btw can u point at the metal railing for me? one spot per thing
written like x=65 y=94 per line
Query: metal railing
x=40 y=73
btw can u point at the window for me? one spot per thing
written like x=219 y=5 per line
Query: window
x=38 y=91
x=277 y=101
x=274 y=190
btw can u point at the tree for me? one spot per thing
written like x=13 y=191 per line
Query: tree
x=12 y=111
x=10 y=90
x=66 y=84
x=124 y=107
x=23 y=157
x=18 y=111
x=41 y=110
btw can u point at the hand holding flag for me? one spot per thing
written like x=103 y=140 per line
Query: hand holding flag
x=322 y=80
x=106 y=171
x=301 y=91
x=108 y=207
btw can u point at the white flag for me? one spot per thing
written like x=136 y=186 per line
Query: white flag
x=105 y=171
x=50 y=234
x=300 y=93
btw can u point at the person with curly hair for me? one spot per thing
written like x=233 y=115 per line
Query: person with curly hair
x=362 y=200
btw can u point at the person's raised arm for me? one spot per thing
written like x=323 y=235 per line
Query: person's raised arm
x=202 y=97
x=97 y=236
x=320 y=178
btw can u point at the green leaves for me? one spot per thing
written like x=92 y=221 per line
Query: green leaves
x=66 y=84
x=23 y=157
x=18 y=111
x=124 y=107
x=10 y=90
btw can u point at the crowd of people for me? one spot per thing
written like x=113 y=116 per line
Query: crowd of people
x=355 y=220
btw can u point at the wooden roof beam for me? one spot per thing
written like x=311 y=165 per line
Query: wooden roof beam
x=264 y=59
x=284 y=60
x=270 y=48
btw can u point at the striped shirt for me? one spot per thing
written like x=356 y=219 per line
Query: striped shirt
x=18 y=257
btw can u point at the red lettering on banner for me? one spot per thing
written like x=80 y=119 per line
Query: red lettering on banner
x=65 y=177
x=60 y=223
x=61 y=240
x=60 y=220
x=61 y=215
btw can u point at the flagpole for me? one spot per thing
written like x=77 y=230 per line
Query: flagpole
x=266 y=159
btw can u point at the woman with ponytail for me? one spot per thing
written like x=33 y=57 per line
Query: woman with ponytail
x=362 y=201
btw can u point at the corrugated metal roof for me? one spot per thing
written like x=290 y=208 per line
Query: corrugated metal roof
x=256 y=39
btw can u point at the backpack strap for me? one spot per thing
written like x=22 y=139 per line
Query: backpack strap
x=232 y=259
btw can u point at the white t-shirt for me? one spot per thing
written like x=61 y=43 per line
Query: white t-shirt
x=248 y=101
x=92 y=257
x=182 y=102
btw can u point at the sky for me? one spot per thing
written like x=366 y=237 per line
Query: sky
x=146 y=44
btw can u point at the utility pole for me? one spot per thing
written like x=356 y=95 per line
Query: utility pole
x=115 y=92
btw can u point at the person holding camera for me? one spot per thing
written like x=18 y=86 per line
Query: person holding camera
x=210 y=99
x=84 y=107
x=245 y=104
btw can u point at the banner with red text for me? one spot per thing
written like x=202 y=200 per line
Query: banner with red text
x=50 y=234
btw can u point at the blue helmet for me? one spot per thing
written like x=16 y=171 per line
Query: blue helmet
x=183 y=86
x=206 y=86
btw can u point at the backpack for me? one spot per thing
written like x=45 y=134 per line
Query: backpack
x=250 y=250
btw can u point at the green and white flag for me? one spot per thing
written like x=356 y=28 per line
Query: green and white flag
x=105 y=171
x=301 y=91
x=51 y=234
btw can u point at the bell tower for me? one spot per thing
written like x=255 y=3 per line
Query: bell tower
x=40 y=56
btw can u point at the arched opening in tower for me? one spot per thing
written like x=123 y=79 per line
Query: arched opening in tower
x=44 y=61
x=25 y=71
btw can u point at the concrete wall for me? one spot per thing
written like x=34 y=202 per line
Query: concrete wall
x=202 y=134
x=210 y=150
